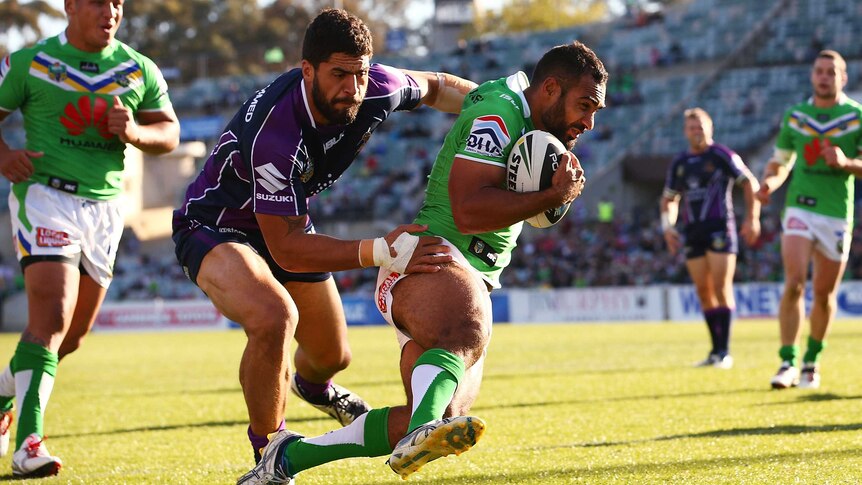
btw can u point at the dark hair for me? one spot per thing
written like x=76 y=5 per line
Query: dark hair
x=567 y=63
x=334 y=31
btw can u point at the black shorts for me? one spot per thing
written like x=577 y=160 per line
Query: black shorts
x=194 y=240
x=717 y=236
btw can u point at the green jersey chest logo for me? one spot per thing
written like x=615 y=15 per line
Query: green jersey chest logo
x=77 y=117
x=57 y=72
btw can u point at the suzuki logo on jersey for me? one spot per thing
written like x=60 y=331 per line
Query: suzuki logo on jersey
x=488 y=136
x=76 y=119
x=813 y=149
x=271 y=179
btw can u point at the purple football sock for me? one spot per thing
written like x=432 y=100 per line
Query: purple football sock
x=311 y=389
x=258 y=442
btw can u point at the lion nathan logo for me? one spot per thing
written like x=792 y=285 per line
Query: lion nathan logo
x=77 y=117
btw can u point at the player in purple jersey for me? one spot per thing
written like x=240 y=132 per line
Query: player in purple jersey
x=243 y=233
x=703 y=178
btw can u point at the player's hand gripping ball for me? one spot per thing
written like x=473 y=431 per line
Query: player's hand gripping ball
x=532 y=163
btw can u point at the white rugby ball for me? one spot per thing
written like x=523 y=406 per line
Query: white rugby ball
x=532 y=163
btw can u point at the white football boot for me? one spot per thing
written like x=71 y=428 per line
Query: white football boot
x=809 y=378
x=435 y=440
x=270 y=469
x=787 y=376
x=338 y=401
x=33 y=460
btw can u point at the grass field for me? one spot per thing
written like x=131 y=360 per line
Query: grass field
x=614 y=403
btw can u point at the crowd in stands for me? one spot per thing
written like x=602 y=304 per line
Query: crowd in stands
x=387 y=181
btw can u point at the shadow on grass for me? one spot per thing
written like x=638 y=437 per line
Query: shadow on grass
x=174 y=427
x=629 y=473
x=720 y=433
x=815 y=397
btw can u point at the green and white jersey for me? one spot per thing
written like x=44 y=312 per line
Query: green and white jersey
x=815 y=186
x=65 y=94
x=493 y=117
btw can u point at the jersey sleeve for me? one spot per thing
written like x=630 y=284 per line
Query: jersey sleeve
x=486 y=133
x=13 y=76
x=671 y=182
x=155 y=96
x=733 y=163
x=402 y=90
x=785 y=134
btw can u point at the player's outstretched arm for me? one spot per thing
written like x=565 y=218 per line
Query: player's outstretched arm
x=442 y=91
x=296 y=251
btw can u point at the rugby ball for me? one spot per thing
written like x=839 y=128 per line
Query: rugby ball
x=531 y=165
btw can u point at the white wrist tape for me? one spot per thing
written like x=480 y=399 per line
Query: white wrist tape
x=404 y=246
x=665 y=222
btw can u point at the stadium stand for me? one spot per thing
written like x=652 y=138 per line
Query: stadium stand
x=742 y=61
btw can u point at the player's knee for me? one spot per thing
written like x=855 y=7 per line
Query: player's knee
x=794 y=286
x=333 y=362
x=271 y=324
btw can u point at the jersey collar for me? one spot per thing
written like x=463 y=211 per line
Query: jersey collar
x=842 y=99
x=305 y=103
x=65 y=45
x=518 y=82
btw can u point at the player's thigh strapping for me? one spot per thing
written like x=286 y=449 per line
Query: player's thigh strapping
x=831 y=235
x=51 y=225
x=387 y=279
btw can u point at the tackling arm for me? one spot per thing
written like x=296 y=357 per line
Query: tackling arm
x=296 y=251
x=442 y=91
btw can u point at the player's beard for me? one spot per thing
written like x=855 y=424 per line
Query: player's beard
x=327 y=108
x=554 y=120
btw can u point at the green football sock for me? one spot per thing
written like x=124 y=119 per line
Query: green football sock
x=367 y=436
x=435 y=378
x=789 y=353
x=812 y=354
x=34 y=368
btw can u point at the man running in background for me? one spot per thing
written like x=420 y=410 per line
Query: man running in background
x=703 y=177
x=820 y=140
x=84 y=96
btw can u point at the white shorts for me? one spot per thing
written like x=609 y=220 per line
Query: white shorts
x=831 y=235
x=48 y=222
x=387 y=279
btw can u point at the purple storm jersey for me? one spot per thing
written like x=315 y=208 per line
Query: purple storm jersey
x=705 y=182
x=272 y=155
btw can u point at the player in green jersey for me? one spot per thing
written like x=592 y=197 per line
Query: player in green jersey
x=821 y=141
x=443 y=319
x=84 y=96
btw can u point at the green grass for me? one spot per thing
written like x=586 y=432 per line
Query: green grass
x=615 y=403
